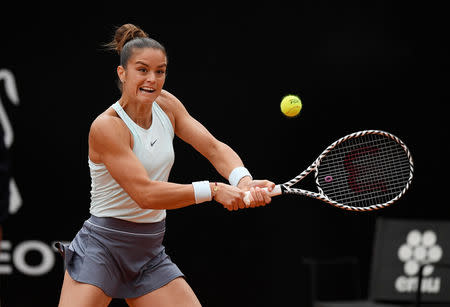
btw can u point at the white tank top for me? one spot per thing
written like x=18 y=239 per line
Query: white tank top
x=154 y=148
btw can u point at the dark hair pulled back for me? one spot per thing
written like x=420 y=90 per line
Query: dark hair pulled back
x=129 y=37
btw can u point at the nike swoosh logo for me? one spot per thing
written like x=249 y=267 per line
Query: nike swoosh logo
x=152 y=143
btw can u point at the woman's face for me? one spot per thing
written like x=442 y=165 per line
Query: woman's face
x=144 y=77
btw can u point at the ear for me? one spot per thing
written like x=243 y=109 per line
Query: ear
x=121 y=73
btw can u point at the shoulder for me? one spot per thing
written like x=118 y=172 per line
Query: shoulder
x=106 y=122
x=168 y=102
x=172 y=106
x=108 y=130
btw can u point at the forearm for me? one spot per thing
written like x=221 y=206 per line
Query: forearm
x=165 y=195
x=224 y=159
x=229 y=165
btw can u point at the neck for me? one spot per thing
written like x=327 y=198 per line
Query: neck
x=140 y=113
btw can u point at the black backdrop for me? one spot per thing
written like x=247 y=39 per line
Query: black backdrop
x=356 y=65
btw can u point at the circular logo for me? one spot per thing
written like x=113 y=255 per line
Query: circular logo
x=419 y=249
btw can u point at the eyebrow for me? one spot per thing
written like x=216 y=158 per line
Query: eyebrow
x=142 y=63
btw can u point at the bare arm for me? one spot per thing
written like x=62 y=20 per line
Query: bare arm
x=110 y=144
x=222 y=157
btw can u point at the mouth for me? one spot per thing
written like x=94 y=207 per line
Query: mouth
x=147 y=90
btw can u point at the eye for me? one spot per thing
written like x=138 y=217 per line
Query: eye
x=142 y=69
x=161 y=72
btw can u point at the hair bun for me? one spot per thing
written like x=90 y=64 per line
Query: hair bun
x=124 y=34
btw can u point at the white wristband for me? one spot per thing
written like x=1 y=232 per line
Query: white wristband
x=237 y=174
x=202 y=191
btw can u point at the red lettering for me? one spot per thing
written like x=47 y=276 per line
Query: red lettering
x=356 y=171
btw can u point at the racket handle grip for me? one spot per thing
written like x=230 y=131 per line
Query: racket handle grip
x=276 y=191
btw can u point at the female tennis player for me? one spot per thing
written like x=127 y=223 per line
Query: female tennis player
x=118 y=252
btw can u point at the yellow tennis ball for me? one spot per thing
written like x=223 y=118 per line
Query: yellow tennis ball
x=291 y=105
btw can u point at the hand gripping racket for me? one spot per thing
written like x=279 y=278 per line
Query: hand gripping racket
x=362 y=171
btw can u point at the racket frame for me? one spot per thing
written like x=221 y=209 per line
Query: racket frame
x=287 y=189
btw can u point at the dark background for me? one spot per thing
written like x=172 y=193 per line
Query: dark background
x=355 y=64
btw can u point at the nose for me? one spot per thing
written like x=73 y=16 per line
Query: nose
x=151 y=77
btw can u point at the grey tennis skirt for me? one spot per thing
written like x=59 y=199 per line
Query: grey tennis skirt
x=124 y=259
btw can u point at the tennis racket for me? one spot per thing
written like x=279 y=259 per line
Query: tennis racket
x=362 y=171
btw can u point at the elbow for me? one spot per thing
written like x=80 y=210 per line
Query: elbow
x=214 y=150
x=147 y=197
x=148 y=203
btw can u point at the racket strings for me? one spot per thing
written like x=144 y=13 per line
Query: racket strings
x=383 y=169
x=380 y=165
x=364 y=171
